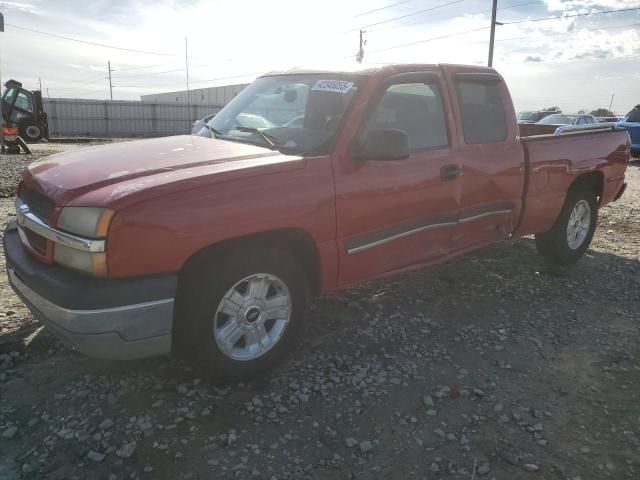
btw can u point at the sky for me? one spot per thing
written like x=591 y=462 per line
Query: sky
x=576 y=63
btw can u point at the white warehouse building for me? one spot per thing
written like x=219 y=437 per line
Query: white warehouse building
x=214 y=97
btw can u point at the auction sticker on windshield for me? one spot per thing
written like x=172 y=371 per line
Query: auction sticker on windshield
x=337 y=86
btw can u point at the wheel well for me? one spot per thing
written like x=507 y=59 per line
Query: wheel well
x=593 y=180
x=296 y=241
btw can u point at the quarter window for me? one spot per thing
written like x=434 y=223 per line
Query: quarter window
x=483 y=119
x=415 y=108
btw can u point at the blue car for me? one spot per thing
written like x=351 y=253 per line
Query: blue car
x=632 y=123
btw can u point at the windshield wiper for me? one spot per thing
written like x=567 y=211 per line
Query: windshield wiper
x=213 y=132
x=273 y=141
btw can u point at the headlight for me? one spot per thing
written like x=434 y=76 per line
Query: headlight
x=88 y=222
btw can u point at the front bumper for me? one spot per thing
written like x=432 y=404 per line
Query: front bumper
x=104 y=318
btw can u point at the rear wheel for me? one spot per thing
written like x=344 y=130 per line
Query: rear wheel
x=240 y=314
x=572 y=233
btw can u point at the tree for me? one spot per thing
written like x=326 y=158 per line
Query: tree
x=552 y=109
x=602 y=112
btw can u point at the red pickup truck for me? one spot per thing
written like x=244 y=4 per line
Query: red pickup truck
x=308 y=181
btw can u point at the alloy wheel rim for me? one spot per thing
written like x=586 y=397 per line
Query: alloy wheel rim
x=252 y=316
x=579 y=224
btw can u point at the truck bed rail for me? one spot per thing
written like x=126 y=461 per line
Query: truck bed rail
x=580 y=128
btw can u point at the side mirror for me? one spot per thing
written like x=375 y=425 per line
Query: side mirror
x=385 y=144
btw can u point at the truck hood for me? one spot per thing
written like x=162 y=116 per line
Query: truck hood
x=109 y=174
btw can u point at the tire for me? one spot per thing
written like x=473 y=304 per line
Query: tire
x=31 y=132
x=563 y=245
x=209 y=320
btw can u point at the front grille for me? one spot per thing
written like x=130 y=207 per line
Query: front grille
x=41 y=205
x=37 y=242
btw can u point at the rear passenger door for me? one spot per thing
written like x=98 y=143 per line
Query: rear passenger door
x=492 y=156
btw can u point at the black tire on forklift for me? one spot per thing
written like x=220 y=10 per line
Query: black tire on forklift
x=31 y=132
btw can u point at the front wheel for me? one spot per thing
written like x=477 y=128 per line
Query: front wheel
x=240 y=314
x=31 y=132
x=573 y=231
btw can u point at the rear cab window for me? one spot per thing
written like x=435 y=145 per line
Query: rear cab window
x=482 y=108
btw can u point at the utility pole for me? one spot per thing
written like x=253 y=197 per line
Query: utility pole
x=493 y=31
x=1 y=118
x=360 y=54
x=110 y=84
x=186 y=62
x=611 y=103
x=40 y=83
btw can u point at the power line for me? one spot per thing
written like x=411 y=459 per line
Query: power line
x=571 y=16
x=379 y=9
x=555 y=33
x=147 y=66
x=456 y=16
x=86 y=42
x=426 y=40
x=407 y=15
x=197 y=81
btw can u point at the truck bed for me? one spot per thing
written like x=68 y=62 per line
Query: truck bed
x=552 y=162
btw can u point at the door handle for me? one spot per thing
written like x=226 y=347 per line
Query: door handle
x=450 y=172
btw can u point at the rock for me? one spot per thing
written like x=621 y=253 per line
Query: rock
x=531 y=467
x=106 y=424
x=435 y=468
x=350 y=442
x=126 y=450
x=96 y=456
x=366 y=446
x=147 y=469
x=510 y=458
x=10 y=432
x=439 y=432
x=483 y=469
x=428 y=401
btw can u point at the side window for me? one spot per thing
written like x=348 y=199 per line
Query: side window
x=582 y=121
x=483 y=119
x=415 y=108
x=24 y=102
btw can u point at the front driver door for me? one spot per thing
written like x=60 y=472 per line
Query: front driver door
x=397 y=214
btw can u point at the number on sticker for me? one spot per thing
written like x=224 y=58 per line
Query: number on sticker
x=337 y=86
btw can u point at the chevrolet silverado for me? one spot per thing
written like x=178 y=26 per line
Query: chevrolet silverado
x=306 y=182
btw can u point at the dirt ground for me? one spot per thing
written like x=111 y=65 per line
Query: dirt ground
x=494 y=366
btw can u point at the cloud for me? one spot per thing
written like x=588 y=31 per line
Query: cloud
x=533 y=59
x=583 y=6
x=18 y=7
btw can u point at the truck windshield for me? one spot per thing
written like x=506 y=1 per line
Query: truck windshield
x=633 y=116
x=299 y=113
x=528 y=116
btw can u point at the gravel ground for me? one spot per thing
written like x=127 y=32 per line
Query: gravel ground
x=494 y=366
x=11 y=167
